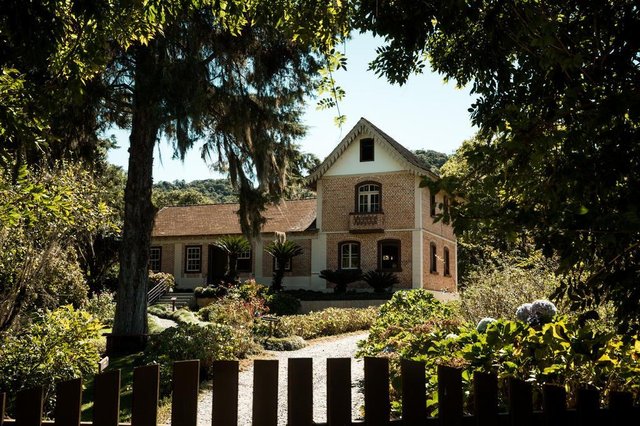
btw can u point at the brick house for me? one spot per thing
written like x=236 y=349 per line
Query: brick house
x=370 y=213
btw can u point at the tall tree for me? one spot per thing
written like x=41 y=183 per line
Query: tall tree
x=558 y=107
x=233 y=75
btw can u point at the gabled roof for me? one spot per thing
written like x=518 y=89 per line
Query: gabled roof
x=402 y=154
x=222 y=219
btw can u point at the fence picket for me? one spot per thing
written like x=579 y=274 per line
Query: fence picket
x=3 y=402
x=338 y=391
x=146 y=392
x=106 y=407
x=377 y=405
x=414 y=397
x=225 y=393
x=265 y=392
x=450 y=396
x=485 y=391
x=520 y=402
x=186 y=384
x=588 y=406
x=554 y=404
x=29 y=407
x=300 y=392
x=621 y=406
x=68 y=403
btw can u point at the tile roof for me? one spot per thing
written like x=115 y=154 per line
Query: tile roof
x=220 y=219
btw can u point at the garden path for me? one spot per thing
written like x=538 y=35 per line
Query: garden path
x=343 y=346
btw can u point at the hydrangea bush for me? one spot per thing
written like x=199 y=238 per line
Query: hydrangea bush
x=539 y=347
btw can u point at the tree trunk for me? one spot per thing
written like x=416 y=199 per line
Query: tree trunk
x=130 y=323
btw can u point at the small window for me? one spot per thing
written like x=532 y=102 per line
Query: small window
x=287 y=266
x=244 y=262
x=447 y=270
x=433 y=268
x=193 y=259
x=368 y=198
x=389 y=256
x=432 y=205
x=155 y=259
x=349 y=255
x=366 y=150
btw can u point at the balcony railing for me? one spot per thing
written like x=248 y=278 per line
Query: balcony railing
x=366 y=222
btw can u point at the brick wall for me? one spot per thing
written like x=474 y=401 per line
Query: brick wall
x=438 y=281
x=369 y=253
x=339 y=198
x=439 y=228
x=300 y=265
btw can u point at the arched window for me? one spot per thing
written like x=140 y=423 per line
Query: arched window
x=433 y=268
x=349 y=255
x=368 y=197
x=447 y=269
x=389 y=255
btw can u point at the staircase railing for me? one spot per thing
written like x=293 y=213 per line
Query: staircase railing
x=156 y=292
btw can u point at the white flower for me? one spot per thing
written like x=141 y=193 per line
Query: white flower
x=543 y=310
x=484 y=323
x=523 y=313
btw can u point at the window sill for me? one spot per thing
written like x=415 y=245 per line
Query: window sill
x=434 y=272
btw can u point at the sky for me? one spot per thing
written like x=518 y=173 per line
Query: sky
x=425 y=113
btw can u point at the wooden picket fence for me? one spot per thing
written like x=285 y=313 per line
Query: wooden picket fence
x=620 y=410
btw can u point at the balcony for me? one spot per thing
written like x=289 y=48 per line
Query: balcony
x=362 y=223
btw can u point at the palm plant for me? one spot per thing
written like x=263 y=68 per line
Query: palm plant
x=341 y=278
x=234 y=246
x=380 y=281
x=282 y=251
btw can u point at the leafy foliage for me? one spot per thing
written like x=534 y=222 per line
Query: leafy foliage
x=558 y=114
x=380 y=280
x=49 y=215
x=58 y=345
x=432 y=159
x=341 y=278
x=102 y=307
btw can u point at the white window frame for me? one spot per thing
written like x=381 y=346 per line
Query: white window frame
x=192 y=257
x=369 y=198
x=349 y=256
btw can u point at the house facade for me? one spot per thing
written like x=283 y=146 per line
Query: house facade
x=370 y=214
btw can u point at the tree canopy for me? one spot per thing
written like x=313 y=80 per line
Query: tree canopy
x=558 y=108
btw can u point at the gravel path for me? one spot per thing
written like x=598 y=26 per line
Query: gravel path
x=331 y=347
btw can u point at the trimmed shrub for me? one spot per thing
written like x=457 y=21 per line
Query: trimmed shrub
x=328 y=322
x=283 y=304
x=206 y=342
x=229 y=311
x=210 y=292
x=291 y=343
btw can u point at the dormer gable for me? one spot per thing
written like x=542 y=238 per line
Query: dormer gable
x=366 y=149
